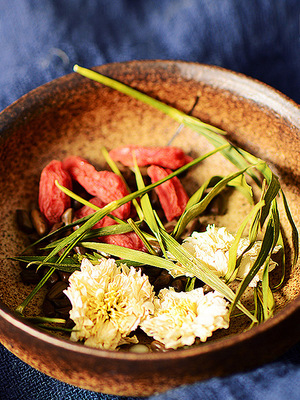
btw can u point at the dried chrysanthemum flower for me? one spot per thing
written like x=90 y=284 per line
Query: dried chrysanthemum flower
x=108 y=303
x=249 y=258
x=212 y=248
x=181 y=317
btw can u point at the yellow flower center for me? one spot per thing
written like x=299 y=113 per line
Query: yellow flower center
x=182 y=310
x=106 y=306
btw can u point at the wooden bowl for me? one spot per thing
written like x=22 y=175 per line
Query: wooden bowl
x=73 y=115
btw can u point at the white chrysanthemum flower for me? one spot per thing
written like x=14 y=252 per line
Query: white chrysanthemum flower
x=108 y=303
x=249 y=258
x=181 y=317
x=212 y=248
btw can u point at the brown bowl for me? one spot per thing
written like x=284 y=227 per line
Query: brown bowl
x=73 y=115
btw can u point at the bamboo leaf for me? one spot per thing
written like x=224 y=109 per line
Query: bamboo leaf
x=271 y=193
x=150 y=218
x=145 y=202
x=231 y=153
x=295 y=234
x=267 y=295
x=255 y=225
x=193 y=211
x=115 y=169
x=94 y=233
x=258 y=313
x=121 y=87
x=69 y=264
x=45 y=320
x=198 y=195
x=141 y=236
x=190 y=284
x=57 y=232
x=130 y=254
x=281 y=263
x=233 y=249
x=241 y=184
x=213 y=134
x=266 y=249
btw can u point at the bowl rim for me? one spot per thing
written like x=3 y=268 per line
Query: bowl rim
x=7 y=115
x=225 y=76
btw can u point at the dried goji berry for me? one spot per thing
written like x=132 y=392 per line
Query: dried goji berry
x=52 y=201
x=167 y=157
x=86 y=210
x=105 y=185
x=172 y=195
x=130 y=240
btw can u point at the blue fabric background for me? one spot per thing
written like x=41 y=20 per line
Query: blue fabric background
x=41 y=40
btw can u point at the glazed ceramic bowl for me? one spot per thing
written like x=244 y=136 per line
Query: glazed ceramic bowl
x=73 y=115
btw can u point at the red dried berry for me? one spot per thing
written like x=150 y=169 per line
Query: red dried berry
x=130 y=240
x=105 y=185
x=172 y=195
x=167 y=157
x=52 y=201
x=86 y=210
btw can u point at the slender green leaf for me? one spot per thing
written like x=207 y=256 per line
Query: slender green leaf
x=231 y=153
x=211 y=133
x=190 y=284
x=94 y=233
x=268 y=298
x=115 y=169
x=265 y=250
x=281 y=263
x=145 y=202
x=295 y=234
x=241 y=184
x=271 y=193
x=267 y=295
x=147 y=208
x=45 y=320
x=44 y=279
x=233 y=249
x=130 y=254
x=121 y=87
x=141 y=235
x=198 y=195
x=69 y=264
x=258 y=312
x=58 y=232
x=255 y=225
x=195 y=210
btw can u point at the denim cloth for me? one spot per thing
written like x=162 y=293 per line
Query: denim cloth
x=42 y=40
